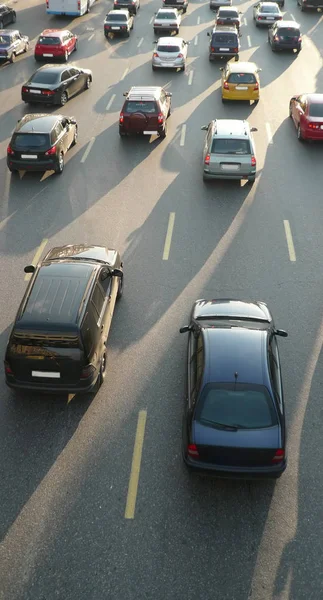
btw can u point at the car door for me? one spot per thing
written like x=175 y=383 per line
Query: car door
x=76 y=82
x=298 y=110
x=19 y=43
x=68 y=133
x=275 y=370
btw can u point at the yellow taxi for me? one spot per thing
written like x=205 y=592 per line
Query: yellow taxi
x=240 y=81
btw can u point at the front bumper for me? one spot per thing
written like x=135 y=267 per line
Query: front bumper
x=227 y=472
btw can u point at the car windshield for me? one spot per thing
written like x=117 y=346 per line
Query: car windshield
x=241 y=78
x=230 y=146
x=4 y=40
x=269 y=9
x=315 y=110
x=225 y=38
x=23 y=141
x=228 y=13
x=169 y=15
x=133 y=106
x=44 y=77
x=288 y=32
x=21 y=344
x=168 y=48
x=49 y=41
x=116 y=16
x=236 y=405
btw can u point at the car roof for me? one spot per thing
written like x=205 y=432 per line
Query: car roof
x=242 y=67
x=37 y=123
x=170 y=40
x=231 y=127
x=58 y=32
x=120 y=11
x=56 y=297
x=236 y=350
x=53 y=68
x=144 y=93
x=231 y=308
x=291 y=24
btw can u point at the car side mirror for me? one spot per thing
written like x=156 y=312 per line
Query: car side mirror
x=221 y=69
x=185 y=329
x=294 y=98
x=72 y=121
x=208 y=34
x=204 y=128
x=30 y=269
x=117 y=273
x=253 y=129
x=125 y=94
x=281 y=332
x=104 y=275
x=168 y=94
x=258 y=70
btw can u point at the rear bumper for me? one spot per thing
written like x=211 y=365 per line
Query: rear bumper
x=126 y=131
x=40 y=56
x=251 y=175
x=176 y=64
x=67 y=14
x=36 y=165
x=236 y=472
x=180 y=6
x=51 y=388
x=263 y=23
x=39 y=99
x=227 y=95
x=214 y=55
x=312 y=135
x=163 y=28
x=293 y=46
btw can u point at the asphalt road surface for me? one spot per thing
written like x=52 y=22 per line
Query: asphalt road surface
x=74 y=523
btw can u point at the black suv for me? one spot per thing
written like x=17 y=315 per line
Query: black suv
x=132 y=5
x=40 y=142
x=12 y=43
x=179 y=4
x=145 y=110
x=285 y=35
x=58 y=341
x=224 y=42
x=7 y=15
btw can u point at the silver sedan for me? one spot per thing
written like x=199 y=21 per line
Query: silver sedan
x=170 y=53
x=266 y=13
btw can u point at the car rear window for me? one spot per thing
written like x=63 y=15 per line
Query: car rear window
x=49 y=41
x=167 y=15
x=228 y=13
x=24 y=141
x=241 y=78
x=44 y=77
x=224 y=38
x=269 y=9
x=230 y=146
x=4 y=40
x=116 y=16
x=168 y=48
x=242 y=405
x=315 y=110
x=27 y=345
x=146 y=106
x=288 y=32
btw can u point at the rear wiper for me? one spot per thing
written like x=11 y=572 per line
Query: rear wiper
x=220 y=425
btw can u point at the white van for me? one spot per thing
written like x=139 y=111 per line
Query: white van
x=73 y=8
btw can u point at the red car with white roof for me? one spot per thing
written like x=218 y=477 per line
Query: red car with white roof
x=55 y=43
x=306 y=111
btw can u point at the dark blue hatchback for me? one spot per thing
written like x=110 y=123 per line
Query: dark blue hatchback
x=234 y=421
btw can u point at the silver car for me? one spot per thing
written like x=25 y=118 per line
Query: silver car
x=266 y=13
x=170 y=53
x=229 y=150
x=168 y=19
x=216 y=3
x=12 y=43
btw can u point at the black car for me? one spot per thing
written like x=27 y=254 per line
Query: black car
x=234 y=421
x=58 y=340
x=7 y=15
x=285 y=35
x=224 y=42
x=132 y=5
x=310 y=4
x=55 y=84
x=12 y=43
x=179 y=4
x=40 y=142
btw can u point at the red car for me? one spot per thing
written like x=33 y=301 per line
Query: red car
x=307 y=113
x=55 y=43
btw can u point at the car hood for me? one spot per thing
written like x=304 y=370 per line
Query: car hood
x=96 y=253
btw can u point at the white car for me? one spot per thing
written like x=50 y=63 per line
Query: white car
x=266 y=13
x=167 y=19
x=170 y=53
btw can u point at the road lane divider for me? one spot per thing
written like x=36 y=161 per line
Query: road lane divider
x=290 y=243
x=169 y=235
x=108 y=106
x=88 y=150
x=244 y=21
x=269 y=134
x=135 y=466
x=249 y=41
x=140 y=42
x=183 y=134
x=151 y=20
x=292 y=17
x=190 y=77
x=126 y=71
x=91 y=37
x=37 y=256
x=196 y=40
x=198 y=20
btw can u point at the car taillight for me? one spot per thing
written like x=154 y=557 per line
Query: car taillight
x=51 y=151
x=276 y=38
x=253 y=161
x=47 y=3
x=220 y=22
x=212 y=49
x=10 y=150
x=180 y=55
x=7 y=368
x=155 y=55
x=314 y=125
x=87 y=371
x=24 y=89
x=207 y=159
x=226 y=85
x=256 y=87
x=79 y=5
x=47 y=92
x=235 y=49
x=192 y=451
x=160 y=118
x=121 y=118
x=299 y=39
x=279 y=18
x=279 y=455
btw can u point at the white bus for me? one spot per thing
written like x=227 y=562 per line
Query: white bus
x=73 y=8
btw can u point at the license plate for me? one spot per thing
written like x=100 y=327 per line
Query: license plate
x=48 y=54
x=35 y=91
x=224 y=49
x=50 y=374
x=241 y=87
x=230 y=167
x=168 y=65
x=29 y=156
x=115 y=27
x=150 y=132
x=270 y=18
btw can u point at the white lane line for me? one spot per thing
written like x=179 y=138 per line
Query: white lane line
x=196 y=40
x=140 y=42
x=245 y=21
x=37 y=256
x=91 y=36
x=110 y=102
x=190 y=78
x=249 y=41
x=124 y=74
x=269 y=134
x=292 y=17
x=198 y=20
x=168 y=239
x=290 y=243
x=183 y=133
x=151 y=20
x=88 y=150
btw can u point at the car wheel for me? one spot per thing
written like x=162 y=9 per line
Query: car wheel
x=14 y=17
x=12 y=170
x=120 y=288
x=127 y=34
x=302 y=7
x=134 y=11
x=75 y=47
x=88 y=9
x=37 y=59
x=74 y=142
x=169 y=111
x=299 y=134
x=257 y=24
x=60 y=164
x=273 y=49
x=255 y=102
x=290 y=110
x=153 y=68
x=177 y=31
x=66 y=56
x=236 y=58
x=185 y=10
x=298 y=49
x=252 y=179
x=88 y=82
x=102 y=372
x=63 y=99
x=122 y=133
x=12 y=57
x=163 y=133
x=1 y=25
x=26 y=47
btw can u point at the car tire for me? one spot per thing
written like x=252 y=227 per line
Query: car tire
x=12 y=57
x=298 y=50
x=122 y=134
x=255 y=102
x=37 y=59
x=182 y=68
x=185 y=10
x=299 y=134
x=87 y=84
x=224 y=100
x=1 y=25
x=302 y=7
x=134 y=12
x=127 y=34
x=153 y=68
x=273 y=49
x=65 y=56
x=177 y=31
x=60 y=164
x=76 y=45
x=102 y=372
x=120 y=288
x=252 y=179
x=290 y=111
x=74 y=142
x=63 y=99
x=163 y=133
x=26 y=47
x=257 y=24
x=236 y=58
x=14 y=18
x=13 y=171
x=88 y=8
